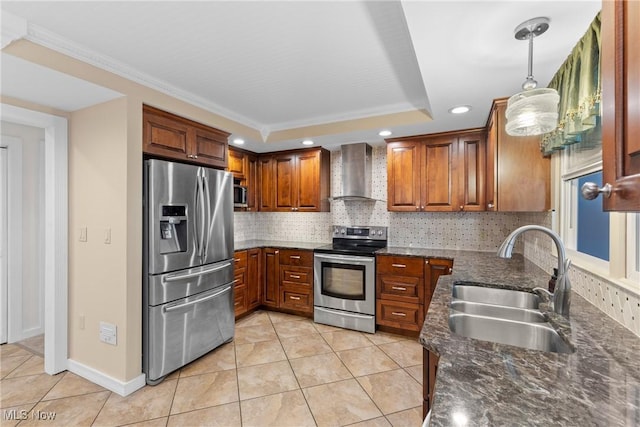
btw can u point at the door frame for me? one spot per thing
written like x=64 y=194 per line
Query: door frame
x=13 y=290
x=56 y=235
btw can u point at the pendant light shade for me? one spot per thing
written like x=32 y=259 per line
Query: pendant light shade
x=532 y=111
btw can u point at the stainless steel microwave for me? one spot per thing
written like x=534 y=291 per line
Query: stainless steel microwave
x=239 y=196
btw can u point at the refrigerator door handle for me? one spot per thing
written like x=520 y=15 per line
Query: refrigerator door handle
x=201 y=213
x=208 y=219
x=196 y=206
x=188 y=304
x=177 y=278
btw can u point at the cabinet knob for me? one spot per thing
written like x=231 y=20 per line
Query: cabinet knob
x=195 y=156
x=590 y=190
x=450 y=270
x=490 y=205
x=461 y=207
x=426 y=262
x=422 y=207
x=417 y=208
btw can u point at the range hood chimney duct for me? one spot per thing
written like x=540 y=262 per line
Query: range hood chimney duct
x=356 y=172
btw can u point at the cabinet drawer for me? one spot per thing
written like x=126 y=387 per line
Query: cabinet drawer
x=239 y=277
x=402 y=266
x=301 y=275
x=240 y=259
x=399 y=315
x=296 y=298
x=296 y=257
x=400 y=288
x=240 y=299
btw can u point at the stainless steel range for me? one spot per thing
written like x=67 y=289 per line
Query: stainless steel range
x=344 y=278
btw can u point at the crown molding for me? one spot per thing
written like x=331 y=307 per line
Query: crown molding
x=48 y=39
x=13 y=28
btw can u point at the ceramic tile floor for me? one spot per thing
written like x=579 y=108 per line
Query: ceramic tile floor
x=280 y=370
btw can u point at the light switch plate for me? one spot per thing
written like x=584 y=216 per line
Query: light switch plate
x=107 y=236
x=83 y=234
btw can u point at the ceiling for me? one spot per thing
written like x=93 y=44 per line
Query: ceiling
x=332 y=71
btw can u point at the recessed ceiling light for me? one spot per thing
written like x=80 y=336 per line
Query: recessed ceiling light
x=384 y=132
x=460 y=109
x=238 y=141
x=307 y=142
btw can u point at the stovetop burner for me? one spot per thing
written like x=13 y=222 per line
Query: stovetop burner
x=356 y=240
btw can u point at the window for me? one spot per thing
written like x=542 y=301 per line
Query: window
x=604 y=243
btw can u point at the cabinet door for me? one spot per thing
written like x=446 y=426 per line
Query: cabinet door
x=403 y=176
x=210 y=147
x=621 y=103
x=492 y=152
x=266 y=184
x=254 y=278
x=285 y=182
x=429 y=372
x=271 y=290
x=472 y=158
x=237 y=164
x=434 y=268
x=440 y=175
x=163 y=136
x=252 y=183
x=308 y=180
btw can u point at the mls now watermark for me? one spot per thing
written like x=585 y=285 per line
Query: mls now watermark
x=21 y=415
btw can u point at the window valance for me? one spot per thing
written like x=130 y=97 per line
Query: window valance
x=578 y=84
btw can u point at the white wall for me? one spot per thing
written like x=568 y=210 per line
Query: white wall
x=32 y=287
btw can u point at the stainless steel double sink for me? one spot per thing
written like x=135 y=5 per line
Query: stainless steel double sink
x=503 y=316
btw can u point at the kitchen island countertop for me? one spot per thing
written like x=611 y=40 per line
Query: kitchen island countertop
x=484 y=383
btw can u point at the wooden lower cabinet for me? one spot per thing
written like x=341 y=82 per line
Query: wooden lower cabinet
x=296 y=280
x=254 y=279
x=240 y=283
x=429 y=371
x=404 y=286
x=270 y=289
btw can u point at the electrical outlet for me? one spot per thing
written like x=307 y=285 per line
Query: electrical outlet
x=108 y=333
x=81 y=322
x=107 y=236
x=83 y=234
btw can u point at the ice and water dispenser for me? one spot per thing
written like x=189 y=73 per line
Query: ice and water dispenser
x=173 y=229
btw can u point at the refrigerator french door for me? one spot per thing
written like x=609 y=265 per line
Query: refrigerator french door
x=188 y=265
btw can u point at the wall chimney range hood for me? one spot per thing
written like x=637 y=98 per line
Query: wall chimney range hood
x=356 y=172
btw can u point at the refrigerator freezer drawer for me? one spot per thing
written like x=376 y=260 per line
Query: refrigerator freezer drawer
x=182 y=331
x=163 y=288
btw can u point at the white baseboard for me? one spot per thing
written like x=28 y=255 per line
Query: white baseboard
x=110 y=383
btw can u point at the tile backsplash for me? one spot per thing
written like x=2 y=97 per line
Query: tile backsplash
x=481 y=231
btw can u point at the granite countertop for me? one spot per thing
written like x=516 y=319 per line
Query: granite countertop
x=249 y=244
x=486 y=383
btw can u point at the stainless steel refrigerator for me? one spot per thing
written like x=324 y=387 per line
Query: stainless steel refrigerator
x=188 y=265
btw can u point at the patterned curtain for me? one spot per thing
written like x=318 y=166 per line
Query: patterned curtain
x=578 y=84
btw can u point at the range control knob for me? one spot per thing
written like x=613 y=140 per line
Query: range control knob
x=379 y=232
x=343 y=231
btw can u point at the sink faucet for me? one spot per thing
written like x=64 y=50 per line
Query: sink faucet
x=562 y=295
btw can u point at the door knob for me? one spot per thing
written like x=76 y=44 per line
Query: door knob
x=590 y=190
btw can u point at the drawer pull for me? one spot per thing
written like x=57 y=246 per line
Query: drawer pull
x=295 y=276
x=294 y=256
x=398 y=288
x=294 y=298
x=395 y=313
x=236 y=280
x=236 y=259
x=398 y=265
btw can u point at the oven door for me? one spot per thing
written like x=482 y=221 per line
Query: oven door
x=345 y=282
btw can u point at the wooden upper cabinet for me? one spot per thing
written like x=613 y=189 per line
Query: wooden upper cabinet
x=472 y=153
x=439 y=172
x=518 y=175
x=440 y=180
x=253 y=182
x=237 y=163
x=403 y=176
x=173 y=137
x=266 y=199
x=620 y=58
x=301 y=181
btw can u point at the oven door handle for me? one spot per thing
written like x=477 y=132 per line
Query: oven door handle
x=343 y=313
x=346 y=258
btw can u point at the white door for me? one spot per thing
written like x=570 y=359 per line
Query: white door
x=4 y=317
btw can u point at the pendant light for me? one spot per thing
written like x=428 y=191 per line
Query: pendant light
x=533 y=111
